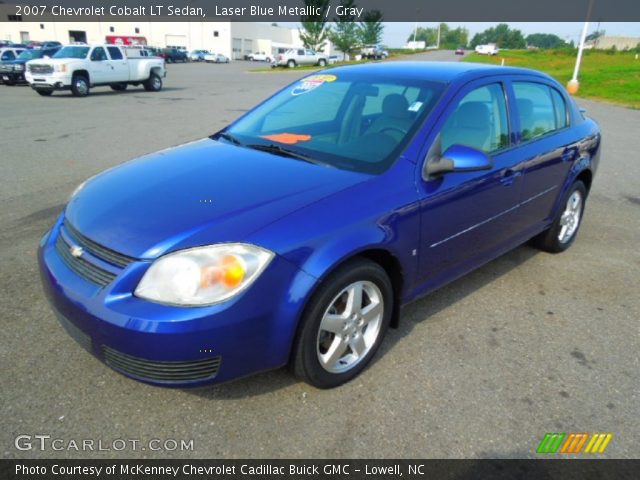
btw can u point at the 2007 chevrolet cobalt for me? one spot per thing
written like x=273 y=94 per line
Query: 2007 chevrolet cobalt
x=293 y=236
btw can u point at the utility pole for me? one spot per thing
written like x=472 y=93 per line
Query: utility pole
x=438 y=43
x=574 y=84
x=415 y=32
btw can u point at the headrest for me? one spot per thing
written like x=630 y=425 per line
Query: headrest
x=473 y=115
x=396 y=106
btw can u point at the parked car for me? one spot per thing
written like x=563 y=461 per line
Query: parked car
x=374 y=52
x=173 y=55
x=260 y=57
x=198 y=55
x=12 y=72
x=460 y=51
x=8 y=54
x=80 y=67
x=299 y=56
x=294 y=235
x=216 y=58
x=45 y=44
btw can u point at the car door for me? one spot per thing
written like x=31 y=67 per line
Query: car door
x=99 y=68
x=467 y=216
x=546 y=143
x=119 y=66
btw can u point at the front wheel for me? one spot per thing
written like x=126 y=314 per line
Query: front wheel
x=45 y=93
x=80 y=86
x=322 y=62
x=291 y=64
x=343 y=325
x=154 y=83
x=564 y=228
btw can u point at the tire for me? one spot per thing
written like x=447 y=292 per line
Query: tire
x=154 y=83
x=291 y=64
x=119 y=87
x=569 y=218
x=311 y=360
x=9 y=83
x=45 y=93
x=322 y=62
x=80 y=86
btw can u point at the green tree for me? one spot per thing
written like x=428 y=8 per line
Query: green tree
x=345 y=33
x=545 y=40
x=595 y=35
x=501 y=35
x=314 y=33
x=427 y=35
x=372 y=28
x=453 y=38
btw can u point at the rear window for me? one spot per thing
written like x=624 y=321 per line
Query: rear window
x=114 y=53
x=536 y=109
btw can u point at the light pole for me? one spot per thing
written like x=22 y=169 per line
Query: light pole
x=574 y=84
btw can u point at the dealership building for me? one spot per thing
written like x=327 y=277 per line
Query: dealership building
x=233 y=39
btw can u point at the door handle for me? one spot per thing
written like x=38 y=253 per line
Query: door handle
x=509 y=176
x=568 y=154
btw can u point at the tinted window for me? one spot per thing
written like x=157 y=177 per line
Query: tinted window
x=535 y=109
x=115 y=53
x=560 y=107
x=322 y=116
x=8 y=55
x=98 y=54
x=479 y=121
x=72 y=52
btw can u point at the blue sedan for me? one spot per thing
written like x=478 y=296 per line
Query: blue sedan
x=294 y=235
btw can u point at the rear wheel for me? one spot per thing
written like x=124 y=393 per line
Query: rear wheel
x=45 y=93
x=119 y=87
x=291 y=63
x=343 y=325
x=154 y=83
x=322 y=62
x=80 y=86
x=564 y=228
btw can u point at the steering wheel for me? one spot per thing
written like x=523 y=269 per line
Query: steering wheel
x=402 y=131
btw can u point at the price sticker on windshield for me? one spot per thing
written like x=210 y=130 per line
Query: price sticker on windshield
x=311 y=83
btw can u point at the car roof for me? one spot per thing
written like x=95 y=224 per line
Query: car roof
x=446 y=72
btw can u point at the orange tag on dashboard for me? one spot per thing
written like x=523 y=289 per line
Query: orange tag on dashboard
x=288 y=138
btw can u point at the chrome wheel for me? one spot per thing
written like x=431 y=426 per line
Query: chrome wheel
x=350 y=327
x=156 y=83
x=570 y=218
x=81 y=86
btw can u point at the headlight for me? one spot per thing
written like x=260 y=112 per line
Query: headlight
x=60 y=67
x=203 y=275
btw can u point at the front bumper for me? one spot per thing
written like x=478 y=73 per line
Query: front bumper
x=55 y=81
x=12 y=77
x=176 y=346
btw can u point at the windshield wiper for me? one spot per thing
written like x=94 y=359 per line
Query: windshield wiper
x=228 y=137
x=285 y=152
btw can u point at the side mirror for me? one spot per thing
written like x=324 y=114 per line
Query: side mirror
x=457 y=159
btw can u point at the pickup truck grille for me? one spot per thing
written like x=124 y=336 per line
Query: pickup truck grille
x=45 y=69
x=6 y=68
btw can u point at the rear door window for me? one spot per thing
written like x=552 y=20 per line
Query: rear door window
x=536 y=109
x=114 y=53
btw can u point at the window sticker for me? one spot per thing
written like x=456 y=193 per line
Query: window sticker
x=311 y=83
x=415 y=106
x=287 y=138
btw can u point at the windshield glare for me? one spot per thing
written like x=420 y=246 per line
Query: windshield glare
x=344 y=119
x=72 y=52
x=30 y=54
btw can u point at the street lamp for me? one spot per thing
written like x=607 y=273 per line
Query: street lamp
x=574 y=84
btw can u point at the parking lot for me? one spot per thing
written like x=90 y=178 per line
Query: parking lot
x=530 y=343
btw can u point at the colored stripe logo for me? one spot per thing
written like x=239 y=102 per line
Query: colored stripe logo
x=572 y=443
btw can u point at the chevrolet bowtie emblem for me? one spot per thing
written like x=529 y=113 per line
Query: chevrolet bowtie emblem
x=76 y=251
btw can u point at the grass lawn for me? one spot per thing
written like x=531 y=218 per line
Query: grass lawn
x=613 y=77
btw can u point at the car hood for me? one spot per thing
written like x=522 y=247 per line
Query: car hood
x=200 y=193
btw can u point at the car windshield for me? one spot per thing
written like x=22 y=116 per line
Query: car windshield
x=345 y=120
x=72 y=52
x=30 y=54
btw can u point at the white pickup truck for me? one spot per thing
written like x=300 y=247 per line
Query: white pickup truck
x=80 y=67
x=488 y=49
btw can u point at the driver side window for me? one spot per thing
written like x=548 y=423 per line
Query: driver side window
x=98 y=54
x=479 y=121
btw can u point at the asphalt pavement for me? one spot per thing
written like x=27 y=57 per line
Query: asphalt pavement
x=528 y=344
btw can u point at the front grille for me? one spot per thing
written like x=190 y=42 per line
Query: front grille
x=6 y=68
x=36 y=68
x=158 y=371
x=85 y=269
x=88 y=245
x=78 y=335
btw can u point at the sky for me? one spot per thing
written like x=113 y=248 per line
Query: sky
x=396 y=33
